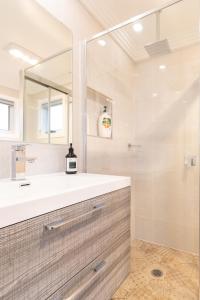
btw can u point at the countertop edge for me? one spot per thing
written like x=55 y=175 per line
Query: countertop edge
x=20 y=212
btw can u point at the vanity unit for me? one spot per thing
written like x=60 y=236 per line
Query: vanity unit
x=64 y=237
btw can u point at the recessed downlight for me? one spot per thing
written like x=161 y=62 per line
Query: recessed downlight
x=15 y=52
x=102 y=43
x=138 y=27
x=22 y=54
x=154 y=95
x=162 y=67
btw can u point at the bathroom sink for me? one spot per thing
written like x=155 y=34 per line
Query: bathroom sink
x=21 y=200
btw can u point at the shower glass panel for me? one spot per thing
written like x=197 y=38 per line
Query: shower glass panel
x=151 y=71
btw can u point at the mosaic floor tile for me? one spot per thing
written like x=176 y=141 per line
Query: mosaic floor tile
x=179 y=280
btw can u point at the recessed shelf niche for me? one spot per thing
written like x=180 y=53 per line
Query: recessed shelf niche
x=95 y=105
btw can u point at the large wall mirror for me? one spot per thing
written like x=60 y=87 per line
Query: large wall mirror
x=35 y=74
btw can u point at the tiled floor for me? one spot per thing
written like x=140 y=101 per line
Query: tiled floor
x=179 y=280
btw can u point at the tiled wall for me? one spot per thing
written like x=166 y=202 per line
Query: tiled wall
x=166 y=125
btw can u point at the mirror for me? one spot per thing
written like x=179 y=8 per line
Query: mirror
x=48 y=100
x=35 y=74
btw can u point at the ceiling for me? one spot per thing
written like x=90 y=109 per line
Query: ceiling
x=178 y=23
x=27 y=24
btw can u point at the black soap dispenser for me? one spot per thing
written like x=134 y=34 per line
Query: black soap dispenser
x=71 y=161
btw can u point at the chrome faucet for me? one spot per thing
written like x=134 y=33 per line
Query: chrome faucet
x=18 y=161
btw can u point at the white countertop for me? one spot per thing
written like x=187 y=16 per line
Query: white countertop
x=50 y=192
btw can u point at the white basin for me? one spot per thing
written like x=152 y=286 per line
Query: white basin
x=50 y=192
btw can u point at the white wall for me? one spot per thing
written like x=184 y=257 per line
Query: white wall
x=8 y=92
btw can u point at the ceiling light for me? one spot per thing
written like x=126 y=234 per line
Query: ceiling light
x=33 y=61
x=15 y=52
x=102 y=43
x=22 y=54
x=154 y=95
x=29 y=60
x=162 y=67
x=137 y=27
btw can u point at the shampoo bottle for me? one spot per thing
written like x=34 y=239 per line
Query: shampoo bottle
x=105 y=124
x=71 y=161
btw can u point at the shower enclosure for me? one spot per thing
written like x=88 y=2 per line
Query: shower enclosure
x=148 y=71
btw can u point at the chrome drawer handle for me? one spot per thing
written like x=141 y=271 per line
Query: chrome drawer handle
x=96 y=274
x=56 y=225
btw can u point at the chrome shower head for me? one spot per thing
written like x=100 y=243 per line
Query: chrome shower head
x=160 y=47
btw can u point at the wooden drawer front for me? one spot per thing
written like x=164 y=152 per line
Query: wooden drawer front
x=35 y=260
x=102 y=277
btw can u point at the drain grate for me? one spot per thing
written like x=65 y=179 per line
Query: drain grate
x=156 y=273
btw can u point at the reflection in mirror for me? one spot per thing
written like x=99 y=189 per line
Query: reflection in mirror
x=96 y=103
x=60 y=118
x=29 y=35
x=48 y=100
x=34 y=128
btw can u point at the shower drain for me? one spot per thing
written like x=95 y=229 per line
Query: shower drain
x=156 y=273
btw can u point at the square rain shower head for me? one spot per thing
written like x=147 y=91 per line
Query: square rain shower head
x=158 y=48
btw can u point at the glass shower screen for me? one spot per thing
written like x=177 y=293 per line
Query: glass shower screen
x=149 y=70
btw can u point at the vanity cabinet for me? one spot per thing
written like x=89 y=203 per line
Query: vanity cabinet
x=76 y=252
x=101 y=277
